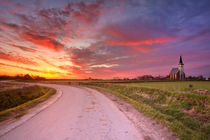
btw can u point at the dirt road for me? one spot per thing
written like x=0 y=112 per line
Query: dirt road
x=79 y=114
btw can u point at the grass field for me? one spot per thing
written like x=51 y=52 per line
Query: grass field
x=174 y=86
x=11 y=85
x=15 y=102
x=173 y=104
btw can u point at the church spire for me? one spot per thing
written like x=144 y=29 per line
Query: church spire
x=180 y=61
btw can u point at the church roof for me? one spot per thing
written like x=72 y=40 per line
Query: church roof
x=180 y=60
x=174 y=71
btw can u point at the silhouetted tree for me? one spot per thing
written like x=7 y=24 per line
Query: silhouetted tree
x=27 y=77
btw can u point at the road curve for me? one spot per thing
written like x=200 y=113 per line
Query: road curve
x=79 y=114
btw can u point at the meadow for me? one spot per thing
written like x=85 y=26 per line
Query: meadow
x=174 y=86
x=184 y=110
x=11 y=85
x=15 y=102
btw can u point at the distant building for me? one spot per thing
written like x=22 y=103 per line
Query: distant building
x=178 y=73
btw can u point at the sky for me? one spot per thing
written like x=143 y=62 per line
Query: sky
x=104 y=38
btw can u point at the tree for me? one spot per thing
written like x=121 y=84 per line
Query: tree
x=27 y=77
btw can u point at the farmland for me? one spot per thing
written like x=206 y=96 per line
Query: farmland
x=174 y=86
x=184 y=110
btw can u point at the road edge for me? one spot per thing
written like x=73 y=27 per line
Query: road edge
x=7 y=127
x=144 y=124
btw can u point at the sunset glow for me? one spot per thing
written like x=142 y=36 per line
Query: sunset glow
x=102 y=38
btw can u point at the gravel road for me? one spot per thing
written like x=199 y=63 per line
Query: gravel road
x=79 y=114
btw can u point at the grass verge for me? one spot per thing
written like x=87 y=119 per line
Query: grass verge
x=167 y=108
x=15 y=102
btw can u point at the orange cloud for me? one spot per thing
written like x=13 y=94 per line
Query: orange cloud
x=28 y=69
x=71 y=69
x=47 y=74
x=46 y=61
x=17 y=59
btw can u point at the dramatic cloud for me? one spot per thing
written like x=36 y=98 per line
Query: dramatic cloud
x=43 y=41
x=9 y=26
x=29 y=69
x=17 y=59
x=46 y=61
x=87 y=12
x=105 y=39
x=23 y=48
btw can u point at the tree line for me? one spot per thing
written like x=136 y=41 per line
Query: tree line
x=21 y=77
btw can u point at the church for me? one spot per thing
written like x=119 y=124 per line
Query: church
x=178 y=73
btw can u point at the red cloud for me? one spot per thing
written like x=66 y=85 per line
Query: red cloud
x=9 y=25
x=142 y=49
x=18 y=59
x=139 y=46
x=136 y=43
x=17 y=8
x=126 y=38
x=54 y=12
x=5 y=2
x=23 y=48
x=43 y=41
x=83 y=17
x=87 y=12
x=107 y=71
x=115 y=33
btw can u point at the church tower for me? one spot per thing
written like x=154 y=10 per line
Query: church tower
x=181 y=69
x=178 y=73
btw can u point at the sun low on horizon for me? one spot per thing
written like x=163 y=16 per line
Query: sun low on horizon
x=103 y=38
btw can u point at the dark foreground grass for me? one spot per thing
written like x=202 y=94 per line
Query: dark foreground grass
x=15 y=102
x=186 y=114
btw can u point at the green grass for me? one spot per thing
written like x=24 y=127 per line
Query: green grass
x=15 y=102
x=173 y=86
x=186 y=114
